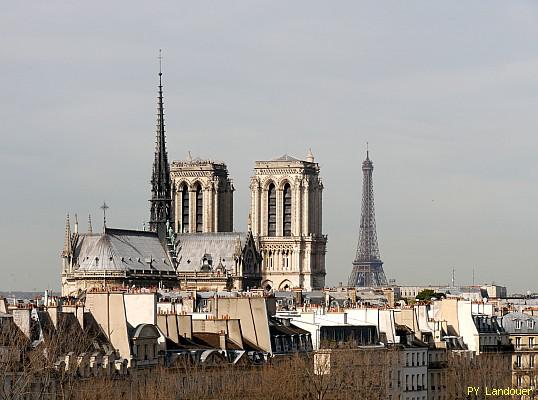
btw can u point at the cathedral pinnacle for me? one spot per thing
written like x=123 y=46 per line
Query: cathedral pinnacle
x=104 y=207
x=160 y=180
x=90 y=229
x=310 y=156
x=67 y=241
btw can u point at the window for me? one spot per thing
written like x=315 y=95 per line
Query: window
x=531 y=342
x=518 y=324
x=286 y=259
x=184 y=209
x=518 y=342
x=518 y=361
x=199 y=208
x=531 y=361
x=277 y=343
x=271 y=211
x=530 y=324
x=287 y=210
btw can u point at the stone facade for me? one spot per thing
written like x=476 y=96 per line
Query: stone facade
x=202 y=198
x=523 y=331
x=286 y=218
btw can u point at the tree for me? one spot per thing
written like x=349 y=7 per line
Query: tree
x=428 y=294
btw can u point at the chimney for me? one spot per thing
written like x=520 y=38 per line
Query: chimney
x=222 y=340
x=21 y=317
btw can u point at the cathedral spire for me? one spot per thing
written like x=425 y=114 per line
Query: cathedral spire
x=160 y=179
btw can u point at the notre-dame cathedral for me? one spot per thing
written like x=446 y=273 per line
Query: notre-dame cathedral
x=191 y=242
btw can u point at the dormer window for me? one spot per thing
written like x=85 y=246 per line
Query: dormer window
x=530 y=323
x=518 y=324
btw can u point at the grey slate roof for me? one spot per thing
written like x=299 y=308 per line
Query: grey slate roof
x=222 y=247
x=286 y=157
x=508 y=322
x=486 y=323
x=121 y=250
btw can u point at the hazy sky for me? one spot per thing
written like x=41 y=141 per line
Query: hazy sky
x=446 y=93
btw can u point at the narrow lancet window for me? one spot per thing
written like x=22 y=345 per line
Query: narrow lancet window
x=271 y=211
x=199 y=208
x=287 y=210
x=185 y=209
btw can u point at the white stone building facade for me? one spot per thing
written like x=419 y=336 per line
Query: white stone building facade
x=286 y=218
x=202 y=197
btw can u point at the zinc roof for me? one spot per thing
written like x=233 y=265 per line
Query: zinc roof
x=122 y=250
x=222 y=247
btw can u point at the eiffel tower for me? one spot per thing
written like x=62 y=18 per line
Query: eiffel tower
x=367 y=268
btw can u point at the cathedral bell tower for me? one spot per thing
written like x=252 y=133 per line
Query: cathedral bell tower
x=286 y=210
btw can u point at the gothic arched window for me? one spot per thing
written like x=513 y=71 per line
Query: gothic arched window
x=287 y=210
x=271 y=210
x=185 y=209
x=199 y=208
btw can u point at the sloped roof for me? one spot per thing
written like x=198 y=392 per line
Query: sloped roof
x=213 y=340
x=121 y=250
x=223 y=247
x=508 y=322
x=286 y=157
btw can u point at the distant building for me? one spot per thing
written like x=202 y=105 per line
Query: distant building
x=495 y=291
x=411 y=292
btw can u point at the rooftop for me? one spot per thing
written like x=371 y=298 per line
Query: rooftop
x=121 y=250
